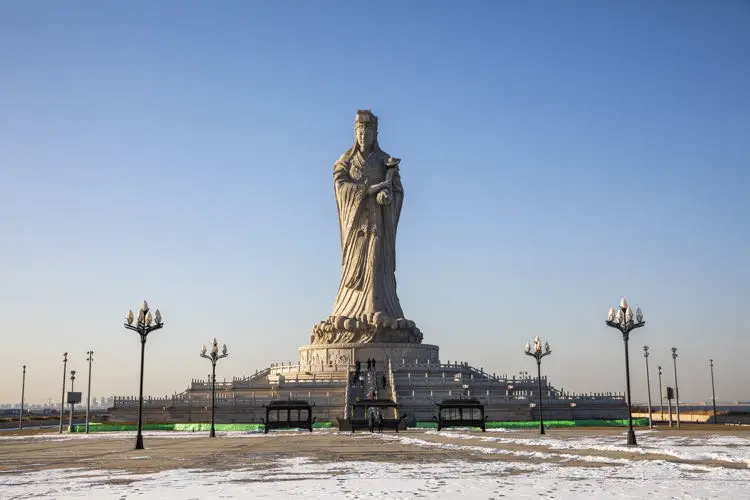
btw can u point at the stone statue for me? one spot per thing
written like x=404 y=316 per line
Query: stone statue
x=369 y=195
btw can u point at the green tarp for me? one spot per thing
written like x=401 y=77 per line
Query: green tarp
x=192 y=427
x=201 y=427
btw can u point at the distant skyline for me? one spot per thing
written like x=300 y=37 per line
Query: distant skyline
x=555 y=157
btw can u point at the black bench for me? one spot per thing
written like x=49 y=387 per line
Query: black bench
x=460 y=413
x=285 y=408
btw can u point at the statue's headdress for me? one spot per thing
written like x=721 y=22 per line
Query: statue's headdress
x=365 y=118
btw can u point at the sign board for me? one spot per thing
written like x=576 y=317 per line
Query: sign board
x=74 y=397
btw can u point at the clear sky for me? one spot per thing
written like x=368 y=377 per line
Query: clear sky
x=556 y=155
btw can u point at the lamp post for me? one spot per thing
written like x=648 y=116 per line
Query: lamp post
x=661 y=396
x=537 y=353
x=676 y=389
x=213 y=357
x=62 y=399
x=72 y=405
x=623 y=320
x=23 y=390
x=648 y=388
x=144 y=325
x=713 y=390
x=90 y=358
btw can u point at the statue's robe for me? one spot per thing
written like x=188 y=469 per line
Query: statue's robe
x=368 y=237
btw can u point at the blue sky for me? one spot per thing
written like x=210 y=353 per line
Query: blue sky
x=555 y=157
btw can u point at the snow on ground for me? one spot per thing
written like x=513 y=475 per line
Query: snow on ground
x=513 y=477
x=727 y=448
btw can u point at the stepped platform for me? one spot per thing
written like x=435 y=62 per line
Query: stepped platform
x=243 y=399
x=332 y=389
x=420 y=386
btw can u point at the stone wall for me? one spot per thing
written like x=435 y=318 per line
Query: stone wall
x=319 y=357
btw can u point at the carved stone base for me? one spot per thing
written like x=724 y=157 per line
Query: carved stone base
x=315 y=356
x=367 y=328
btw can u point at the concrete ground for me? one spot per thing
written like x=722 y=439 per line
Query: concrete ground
x=43 y=449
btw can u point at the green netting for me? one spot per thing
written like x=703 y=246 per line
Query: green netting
x=99 y=427
x=191 y=427
x=530 y=424
x=425 y=425
x=198 y=427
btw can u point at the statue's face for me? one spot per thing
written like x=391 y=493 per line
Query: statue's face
x=365 y=138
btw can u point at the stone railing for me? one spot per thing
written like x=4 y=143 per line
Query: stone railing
x=591 y=396
x=299 y=367
x=315 y=382
x=257 y=376
x=458 y=366
x=151 y=402
x=423 y=399
x=307 y=380
x=445 y=378
x=205 y=385
x=392 y=383
x=326 y=398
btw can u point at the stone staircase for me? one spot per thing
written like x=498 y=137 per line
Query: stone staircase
x=418 y=387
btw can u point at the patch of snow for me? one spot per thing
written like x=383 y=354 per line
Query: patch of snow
x=640 y=474
x=446 y=480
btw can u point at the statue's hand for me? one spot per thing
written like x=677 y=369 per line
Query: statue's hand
x=384 y=197
x=375 y=188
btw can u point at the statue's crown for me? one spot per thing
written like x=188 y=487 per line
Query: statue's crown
x=365 y=117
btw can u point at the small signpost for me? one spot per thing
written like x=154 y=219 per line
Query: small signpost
x=669 y=395
x=73 y=398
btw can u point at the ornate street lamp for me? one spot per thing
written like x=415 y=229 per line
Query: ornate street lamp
x=62 y=399
x=676 y=389
x=90 y=358
x=144 y=325
x=537 y=353
x=648 y=388
x=23 y=390
x=624 y=321
x=213 y=357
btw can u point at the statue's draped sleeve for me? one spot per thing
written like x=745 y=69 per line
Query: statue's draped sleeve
x=349 y=198
x=398 y=201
